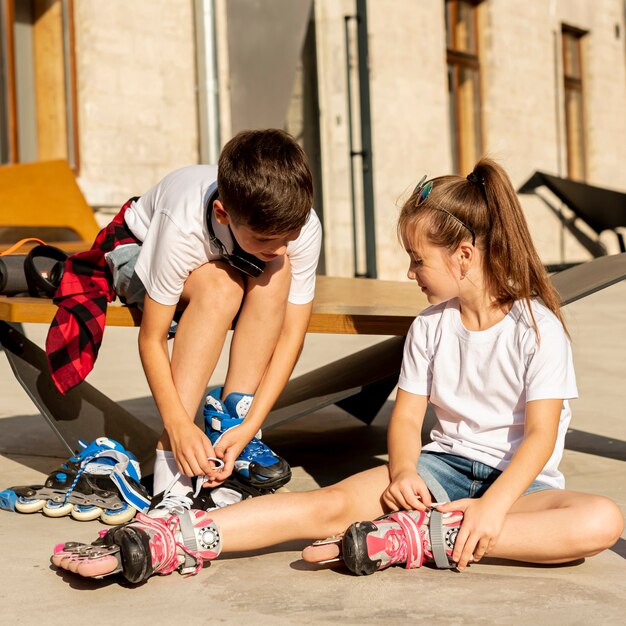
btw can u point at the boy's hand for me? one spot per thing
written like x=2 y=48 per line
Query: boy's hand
x=191 y=449
x=479 y=532
x=229 y=447
x=406 y=492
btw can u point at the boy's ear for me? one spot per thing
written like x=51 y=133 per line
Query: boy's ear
x=221 y=215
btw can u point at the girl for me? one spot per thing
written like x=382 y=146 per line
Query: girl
x=492 y=356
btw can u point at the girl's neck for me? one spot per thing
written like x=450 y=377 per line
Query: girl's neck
x=481 y=311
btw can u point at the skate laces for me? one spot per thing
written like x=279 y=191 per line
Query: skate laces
x=405 y=543
x=179 y=503
x=113 y=463
x=173 y=524
x=175 y=503
x=165 y=544
x=81 y=470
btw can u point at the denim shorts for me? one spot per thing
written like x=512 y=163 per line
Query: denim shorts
x=127 y=284
x=450 y=477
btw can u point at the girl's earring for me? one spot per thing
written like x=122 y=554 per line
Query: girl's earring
x=463 y=274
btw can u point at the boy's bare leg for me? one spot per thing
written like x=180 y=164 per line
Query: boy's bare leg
x=213 y=295
x=258 y=327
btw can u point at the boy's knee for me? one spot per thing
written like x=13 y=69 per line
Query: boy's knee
x=215 y=286
x=275 y=279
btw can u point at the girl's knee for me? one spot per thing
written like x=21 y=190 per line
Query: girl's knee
x=604 y=523
x=614 y=522
x=333 y=505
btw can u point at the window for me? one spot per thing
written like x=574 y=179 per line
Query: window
x=463 y=83
x=573 y=99
x=37 y=82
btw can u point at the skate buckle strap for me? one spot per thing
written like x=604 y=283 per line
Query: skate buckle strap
x=221 y=424
x=437 y=540
x=415 y=552
x=193 y=562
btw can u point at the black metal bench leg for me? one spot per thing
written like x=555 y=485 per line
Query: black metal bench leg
x=359 y=383
x=84 y=412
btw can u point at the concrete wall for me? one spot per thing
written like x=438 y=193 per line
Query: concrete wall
x=137 y=104
x=523 y=112
x=411 y=137
x=523 y=117
x=329 y=16
x=137 y=101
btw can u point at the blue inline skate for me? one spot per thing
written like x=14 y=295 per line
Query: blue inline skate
x=100 y=481
x=257 y=465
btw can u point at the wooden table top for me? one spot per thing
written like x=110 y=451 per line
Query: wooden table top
x=342 y=306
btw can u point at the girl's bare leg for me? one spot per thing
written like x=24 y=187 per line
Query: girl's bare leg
x=267 y=520
x=555 y=526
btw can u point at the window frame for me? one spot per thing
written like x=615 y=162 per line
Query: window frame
x=574 y=84
x=456 y=59
x=9 y=139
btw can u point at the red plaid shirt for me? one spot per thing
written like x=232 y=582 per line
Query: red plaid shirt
x=86 y=288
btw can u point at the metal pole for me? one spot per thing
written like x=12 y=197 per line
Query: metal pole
x=366 y=140
x=208 y=84
x=353 y=153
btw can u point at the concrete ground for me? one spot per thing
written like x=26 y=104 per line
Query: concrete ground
x=275 y=586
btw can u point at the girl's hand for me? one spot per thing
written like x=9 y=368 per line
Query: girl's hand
x=191 y=449
x=480 y=529
x=407 y=492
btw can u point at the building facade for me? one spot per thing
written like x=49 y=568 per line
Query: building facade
x=378 y=92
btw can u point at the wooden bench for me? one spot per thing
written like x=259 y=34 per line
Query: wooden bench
x=43 y=200
x=359 y=383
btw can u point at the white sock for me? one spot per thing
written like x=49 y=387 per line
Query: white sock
x=224 y=496
x=165 y=469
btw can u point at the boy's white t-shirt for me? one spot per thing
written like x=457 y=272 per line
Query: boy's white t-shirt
x=480 y=381
x=170 y=220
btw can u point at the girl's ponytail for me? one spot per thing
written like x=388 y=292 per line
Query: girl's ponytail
x=512 y=262
x=485 y=209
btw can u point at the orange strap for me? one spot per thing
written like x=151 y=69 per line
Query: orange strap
x=20 y=243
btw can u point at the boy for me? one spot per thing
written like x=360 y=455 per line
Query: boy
x=209 y=247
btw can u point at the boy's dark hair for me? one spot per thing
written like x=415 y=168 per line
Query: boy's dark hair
x=264 y=181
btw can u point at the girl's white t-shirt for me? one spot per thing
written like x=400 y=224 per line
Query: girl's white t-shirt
x=479 y=382
x=170 y=220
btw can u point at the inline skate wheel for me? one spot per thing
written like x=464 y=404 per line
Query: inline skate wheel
x=29 y=505
x=85 y=513
x=56 y=509
x=114 y=517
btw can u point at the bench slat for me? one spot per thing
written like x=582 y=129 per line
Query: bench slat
x=373 y=308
